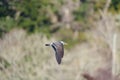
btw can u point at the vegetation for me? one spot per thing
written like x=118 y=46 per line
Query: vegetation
x=32 y=16
x=37 y=15
x=88 y=26
x=115 y=6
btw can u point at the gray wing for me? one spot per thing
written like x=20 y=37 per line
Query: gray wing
x=59 y=51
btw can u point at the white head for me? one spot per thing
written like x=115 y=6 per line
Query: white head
x=63 y=43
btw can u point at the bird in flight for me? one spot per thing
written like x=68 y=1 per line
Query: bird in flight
x=59 y=49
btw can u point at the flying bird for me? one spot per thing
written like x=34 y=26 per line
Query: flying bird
x=59 y=49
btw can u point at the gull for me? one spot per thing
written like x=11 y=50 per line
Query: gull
x=59 y=49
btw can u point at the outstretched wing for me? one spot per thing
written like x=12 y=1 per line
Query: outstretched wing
x=59 y=51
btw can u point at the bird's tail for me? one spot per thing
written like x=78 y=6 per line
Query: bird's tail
x=47 y=44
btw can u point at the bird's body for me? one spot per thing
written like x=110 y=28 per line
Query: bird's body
x=59 y=50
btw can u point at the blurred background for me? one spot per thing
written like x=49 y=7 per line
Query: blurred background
x=90 y=28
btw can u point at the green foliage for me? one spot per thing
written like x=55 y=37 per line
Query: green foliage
x=5 y=9
x=115 y=6
x=81 y=15
x=33 y=14
x=99 y=5
x=6 y=24
x=81 y=12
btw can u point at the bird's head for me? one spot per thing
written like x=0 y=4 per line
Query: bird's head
x=63 y=43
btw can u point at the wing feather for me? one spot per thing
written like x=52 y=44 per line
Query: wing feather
x=59 y=48
x=58 y=57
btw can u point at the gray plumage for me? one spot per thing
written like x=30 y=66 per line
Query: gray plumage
x=59 y=50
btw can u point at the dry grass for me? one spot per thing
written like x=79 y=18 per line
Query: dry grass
x=26 y=58
x=22 y=55
x=117 y=57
